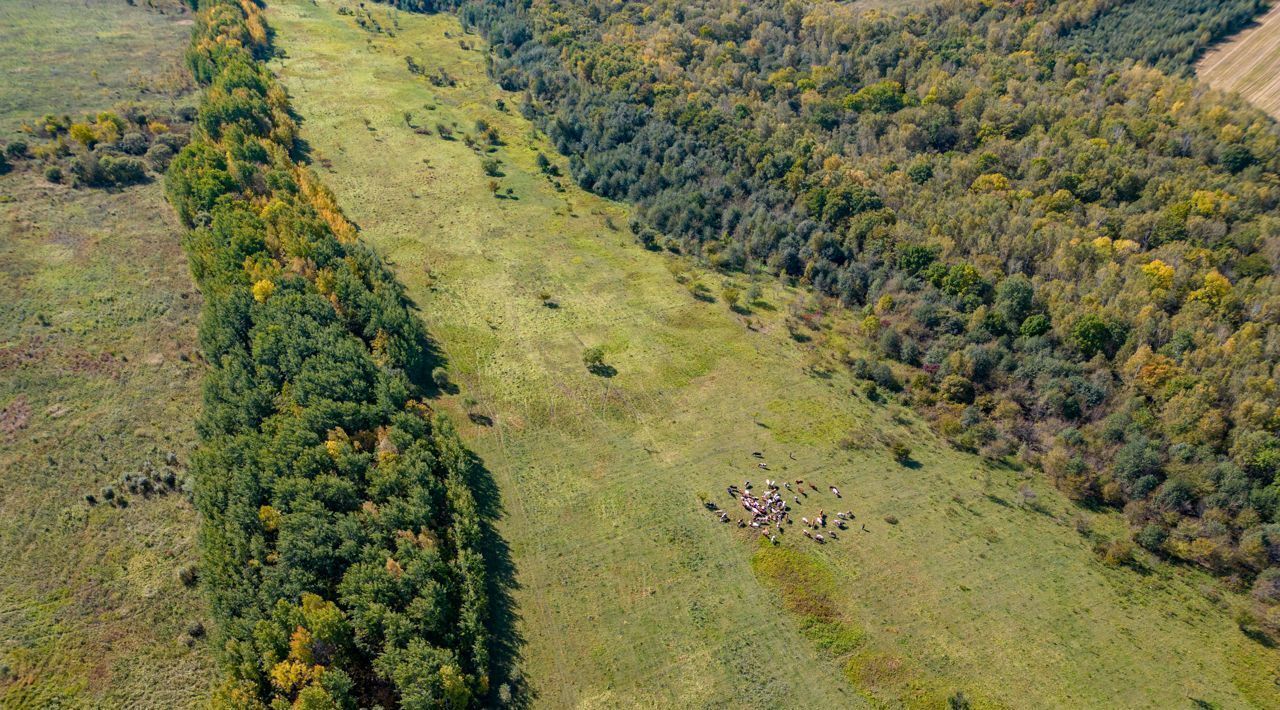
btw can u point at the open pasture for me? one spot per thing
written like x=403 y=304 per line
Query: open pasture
x=98 y=379
x=631 y=593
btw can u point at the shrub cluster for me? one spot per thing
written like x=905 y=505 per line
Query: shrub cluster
x=110 y=149
x=340 y=539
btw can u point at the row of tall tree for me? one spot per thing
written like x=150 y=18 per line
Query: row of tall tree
x=340 y=539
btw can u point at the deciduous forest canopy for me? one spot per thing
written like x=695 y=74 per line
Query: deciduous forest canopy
x=1067 y=245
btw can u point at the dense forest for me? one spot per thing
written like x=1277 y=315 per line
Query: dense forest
x=340 y=539
x=1065 y=247
x=1169 y=34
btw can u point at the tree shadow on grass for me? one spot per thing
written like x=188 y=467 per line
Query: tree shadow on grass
x=504 y=617
x=428 y=358
x=1257 y=636
x=301 y=152
x=909 y=463
x=426 y=355
x=1002 y=464
x=602 y=370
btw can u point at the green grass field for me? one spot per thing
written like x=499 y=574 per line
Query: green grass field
x=97 y=378
x=83 y=56
x=630 y=593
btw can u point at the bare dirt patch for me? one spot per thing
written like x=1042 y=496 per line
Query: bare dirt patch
x=14 y=417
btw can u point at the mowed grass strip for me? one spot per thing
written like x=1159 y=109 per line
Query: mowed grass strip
x=631 y=593
x=98 y=378
x=1248 y=63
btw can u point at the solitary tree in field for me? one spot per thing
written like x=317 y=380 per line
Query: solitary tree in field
x=731 y=296
x=901 y=452
x=593 y=358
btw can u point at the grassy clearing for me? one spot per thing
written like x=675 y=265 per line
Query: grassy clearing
x=82 y=56
x=1249 y=63
x=97 y=378
x=631 y=594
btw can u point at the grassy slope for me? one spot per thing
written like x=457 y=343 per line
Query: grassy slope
x=97 y=310
x=1249 y=63
x=631 y=595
